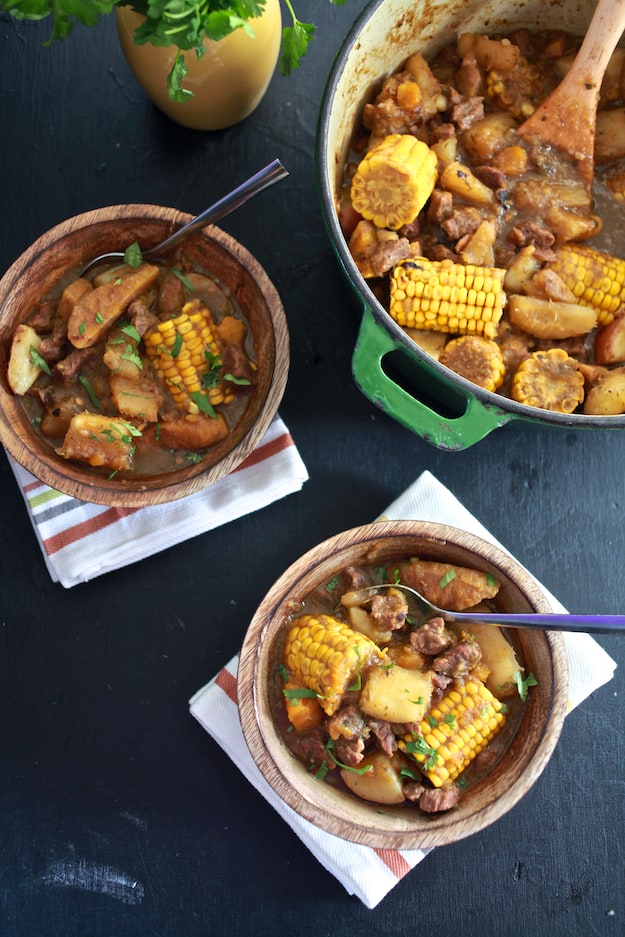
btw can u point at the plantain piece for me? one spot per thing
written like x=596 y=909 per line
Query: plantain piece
x=97 y=310
x=394 y=180
x=549 y=380
x=477 y=359
x=546 y=319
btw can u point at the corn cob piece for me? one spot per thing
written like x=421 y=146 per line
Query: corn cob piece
x=478 y=359
x=394 y=180
x=595 y=279
x=455 y=730
x=550 y=380
x=183 y=350
x=443 y=296
x=325 y=655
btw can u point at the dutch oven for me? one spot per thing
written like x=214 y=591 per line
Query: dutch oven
x=438 y=405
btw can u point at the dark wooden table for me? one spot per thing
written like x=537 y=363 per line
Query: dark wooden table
x=100 y=760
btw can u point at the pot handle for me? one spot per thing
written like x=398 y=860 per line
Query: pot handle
x=444 y=432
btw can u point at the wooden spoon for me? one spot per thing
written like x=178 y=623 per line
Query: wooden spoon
x=566 y=120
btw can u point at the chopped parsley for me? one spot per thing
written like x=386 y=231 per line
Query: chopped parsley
x=39 y=361
x=523 y=684
x=90 y=391
x=419 y=746
x=446 y=579
x=183 y=279
x=133 y=256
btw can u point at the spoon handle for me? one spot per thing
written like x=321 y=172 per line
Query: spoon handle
x=596 y=624
x=271 y=173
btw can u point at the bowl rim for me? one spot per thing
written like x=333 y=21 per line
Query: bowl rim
x=50 y=468
x=264 y=742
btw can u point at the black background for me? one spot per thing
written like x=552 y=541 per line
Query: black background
x=100 y=760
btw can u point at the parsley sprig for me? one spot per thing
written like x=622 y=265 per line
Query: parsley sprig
x=183 y=24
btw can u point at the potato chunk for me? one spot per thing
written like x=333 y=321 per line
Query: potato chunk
x=136 y=399
x=99 y=441
x=607 y=396
x=23 y=371
x=382 y=784
x=546 y=319
x=395 y=694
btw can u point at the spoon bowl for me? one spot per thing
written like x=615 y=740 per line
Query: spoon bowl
x=566 y=119
x=597 y=624
x=261 y=180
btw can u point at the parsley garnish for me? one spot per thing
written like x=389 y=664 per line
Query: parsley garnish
x=183 y=279
x=523 y=684
x=419 y=746
x=176 y=348
x=236 y=380
x=299 y=693
x=332 y=584
x=90 y=391
x=203 y=403
x=39 y=361
x=133 y=256
x=447 y=578
x=329 y=747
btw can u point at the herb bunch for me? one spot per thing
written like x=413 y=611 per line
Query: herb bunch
x=184 y=24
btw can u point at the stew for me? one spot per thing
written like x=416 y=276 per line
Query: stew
x=138 y=369
x=490 y=249
x=395 y=709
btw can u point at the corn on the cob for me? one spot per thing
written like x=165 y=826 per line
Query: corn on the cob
x=595 y=279
x=325 y=655
x=455 y=731
x=443 y=296
x=394 y=180
x=550 y=380
x=183 y=350
x=478 y=359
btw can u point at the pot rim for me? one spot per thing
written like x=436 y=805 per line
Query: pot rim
x=466 y=389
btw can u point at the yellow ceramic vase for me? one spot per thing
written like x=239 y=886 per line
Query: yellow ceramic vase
x=228 y=82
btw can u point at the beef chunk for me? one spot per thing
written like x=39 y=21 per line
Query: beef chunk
x=461 y=658
x=432 y=637
x=435 y=800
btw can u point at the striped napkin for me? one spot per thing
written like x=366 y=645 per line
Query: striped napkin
x=80 y=540
x=366 y=872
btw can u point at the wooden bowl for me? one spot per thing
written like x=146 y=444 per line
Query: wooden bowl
x=403 y=827
x=64 y=250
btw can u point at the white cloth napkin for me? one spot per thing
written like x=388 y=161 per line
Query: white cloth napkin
x=366 y=872
x=80 y=540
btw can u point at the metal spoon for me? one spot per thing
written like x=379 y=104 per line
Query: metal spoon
x=272 y=173
x=597 y=624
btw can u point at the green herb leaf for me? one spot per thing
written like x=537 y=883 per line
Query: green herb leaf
x=523 y=684
x=331 y=585
x=419 y=746
x=90 y=391
x=39 y=361
x=447 y=578
x=183 y=279
x=329 y=746
x=295 y=693
x=203 y=403
x=177 y=346
x=131 y=332
x=243 y=381
x=133 y=256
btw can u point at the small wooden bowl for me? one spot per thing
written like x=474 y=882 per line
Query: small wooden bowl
x=64 y=250
x=403 y=827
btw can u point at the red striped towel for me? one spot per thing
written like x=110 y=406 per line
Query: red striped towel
x=363 y=871
x=80 y=540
